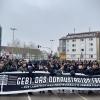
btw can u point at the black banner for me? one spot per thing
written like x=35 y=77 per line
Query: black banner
x=23 y=82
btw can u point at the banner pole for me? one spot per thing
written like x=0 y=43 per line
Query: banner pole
x=2 y=83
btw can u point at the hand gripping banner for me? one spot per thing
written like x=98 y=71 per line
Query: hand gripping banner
x=18 y=82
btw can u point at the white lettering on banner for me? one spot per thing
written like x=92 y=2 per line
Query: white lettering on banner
x=24 y=80
x=87 y=80
x=54 y=79
x=60 y=79
x=40 y=79
x=38 y=82
x=43 y=79
x=18 y=81
x=50 y=79
x=69 y=80
x=96 y=80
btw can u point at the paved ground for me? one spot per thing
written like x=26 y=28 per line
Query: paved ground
x=37 y=96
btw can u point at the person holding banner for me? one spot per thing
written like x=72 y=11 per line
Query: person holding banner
x=1 y=66
x=23 y=67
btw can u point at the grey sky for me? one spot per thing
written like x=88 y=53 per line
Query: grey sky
x=40 y=21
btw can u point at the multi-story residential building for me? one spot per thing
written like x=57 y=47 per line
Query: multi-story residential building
x=0 y=36
x=81 y=46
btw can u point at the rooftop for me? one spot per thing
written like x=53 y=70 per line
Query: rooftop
x=81 y=35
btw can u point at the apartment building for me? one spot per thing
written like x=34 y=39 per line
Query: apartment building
x=80 y=46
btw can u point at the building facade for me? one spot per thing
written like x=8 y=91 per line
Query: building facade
x=81 y=46
x=18 y=52
x=0 y=36
x=62 y=48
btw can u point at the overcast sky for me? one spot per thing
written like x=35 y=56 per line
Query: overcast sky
x=39 y=21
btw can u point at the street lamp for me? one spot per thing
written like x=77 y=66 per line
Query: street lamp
x=85 y=49
x=52 y=44
x=13 y=29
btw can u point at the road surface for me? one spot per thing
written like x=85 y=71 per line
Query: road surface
x=65 y=96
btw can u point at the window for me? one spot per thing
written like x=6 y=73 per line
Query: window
x=90 y=39
x=81 y=55
x=91 y=56
x=64 y=45
x=73 y=45
x=64 y=49
x=91 y=44
x=73 y=50
x=90 y=49
x=63 y=42
x=73 y=55
x=81 y=39
x=67 y=40
x=82 y=49
x=67 y=50
x=73 y=40
x=67 y=45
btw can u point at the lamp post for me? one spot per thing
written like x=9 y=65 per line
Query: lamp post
x=13 y=29
x=52 y=45
x=85 y=49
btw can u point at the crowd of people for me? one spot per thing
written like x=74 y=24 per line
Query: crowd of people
x=53 y=66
